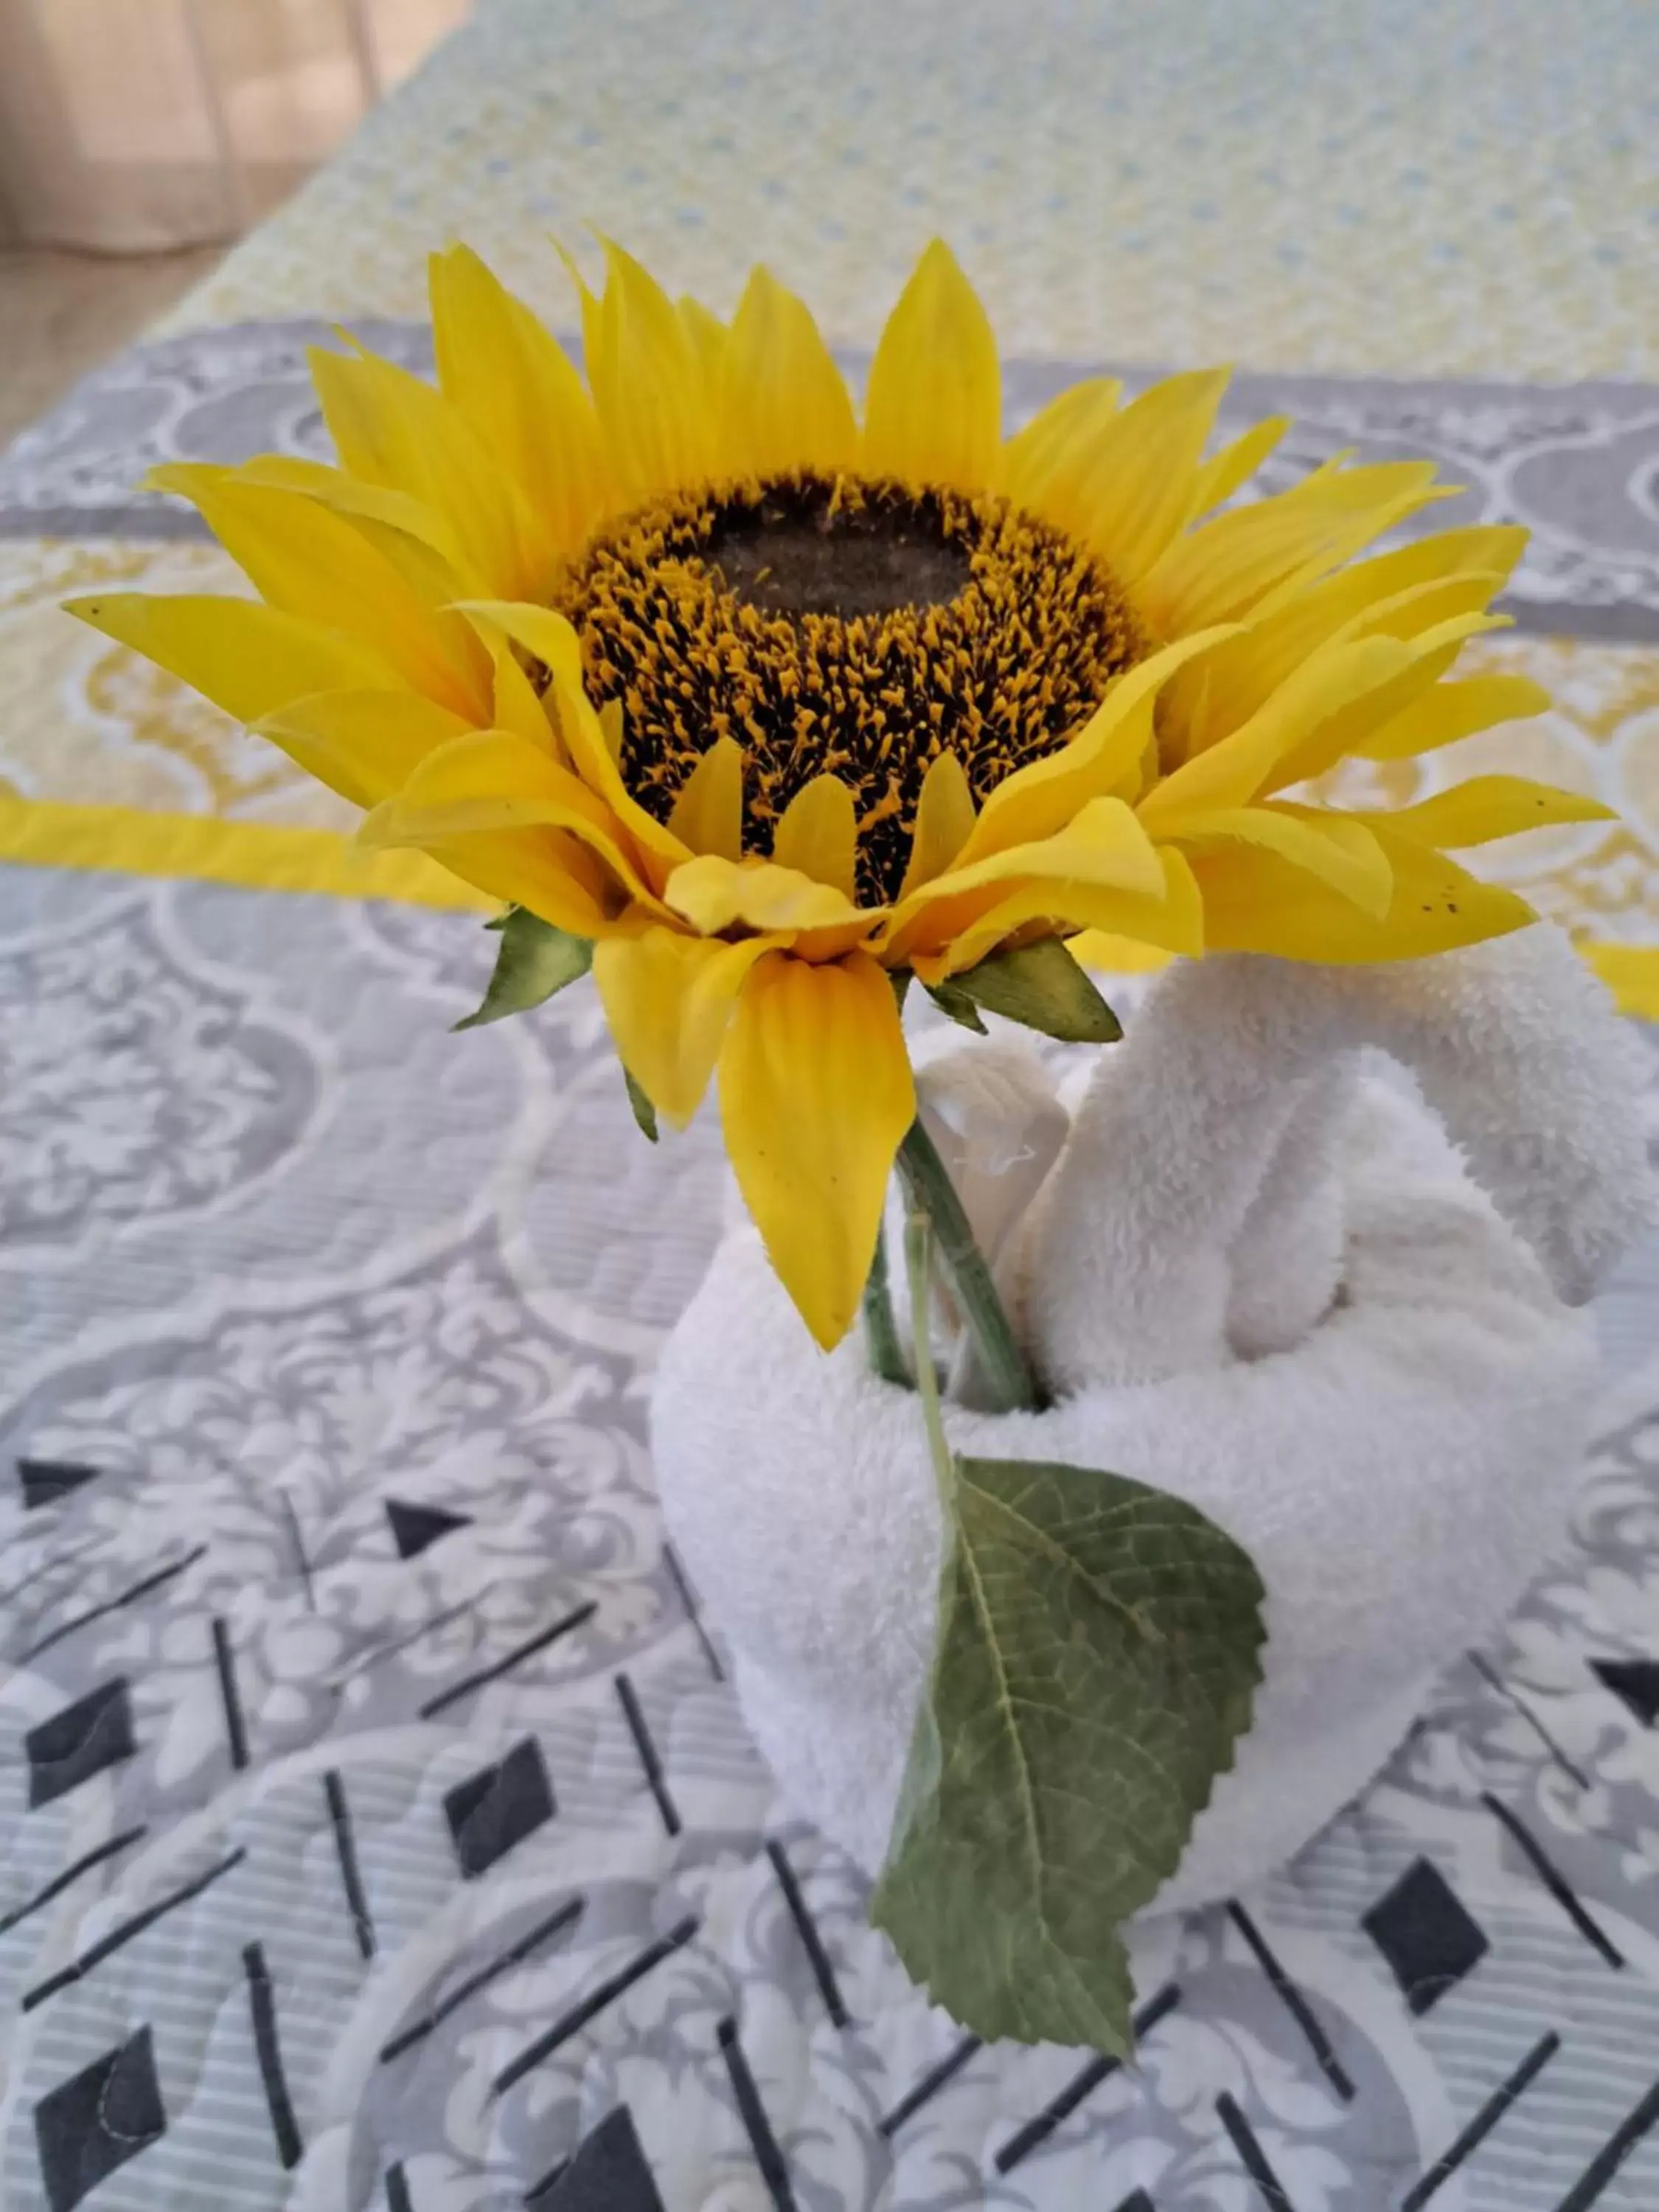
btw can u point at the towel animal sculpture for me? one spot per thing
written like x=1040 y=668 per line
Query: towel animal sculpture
x=1255 y=1267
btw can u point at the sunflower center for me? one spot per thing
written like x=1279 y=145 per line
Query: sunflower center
x=855 y=627
x=843 y=561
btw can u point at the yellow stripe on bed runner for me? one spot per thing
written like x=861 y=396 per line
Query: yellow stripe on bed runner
x=272 y=856
x=1630 y=972
x=258 y=855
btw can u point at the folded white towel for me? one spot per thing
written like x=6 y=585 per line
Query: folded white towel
x=1398 y=1464
x=1194 y=1215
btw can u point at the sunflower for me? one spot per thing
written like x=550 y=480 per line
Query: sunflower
x=772 y=703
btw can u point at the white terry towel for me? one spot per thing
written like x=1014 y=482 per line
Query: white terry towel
x=1398 y=1464
x=1194 y=1214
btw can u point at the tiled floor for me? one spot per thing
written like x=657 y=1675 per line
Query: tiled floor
x=60 y=314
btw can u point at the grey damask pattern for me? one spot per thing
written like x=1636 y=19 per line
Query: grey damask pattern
x=377 y=1826
x=1577 y=464
x=79 y=471
x=137 y=1083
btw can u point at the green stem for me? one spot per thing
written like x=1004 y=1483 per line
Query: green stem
x=1005 y=1371
x=918 y=1242
x=881 y=1334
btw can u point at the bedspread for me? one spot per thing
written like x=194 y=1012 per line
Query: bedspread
x=377 y=1826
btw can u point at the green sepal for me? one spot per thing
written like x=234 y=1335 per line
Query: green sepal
x=534 y=960
x=644 y=1112
x=1043 y=986
x=1097 y=1652
x=951 y=1000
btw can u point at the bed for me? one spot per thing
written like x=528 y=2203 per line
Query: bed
x=378 y=1828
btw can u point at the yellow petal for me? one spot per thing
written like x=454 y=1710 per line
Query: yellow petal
x=1341 y=486
x=487 y=780
x=1489 y=550
x=933 y=408
x=1216 y=696
x=1103 y=848
x=832 y=943
x=312 y=562
x=1452 y=711
x=1364 y=502
x=817 y=836
x=411 y=536
x=592 y=743
x=552 y=873
x=1428 y=659
x=518 y=390
x=394 y=510
x=364 y=744
x=547 y=636
x=499 y=803
x=1133 y=489
x=1103 y=842
x=552 y=641
x=1102 y=760
x=647 y=376
x=709 y=337
x=815 y=1093
x=436 y=581
x=592 y=313
x=1220 y=476
x=1171 y=921
x=1109 y=955
x=1337 y=848
x=517 y=707
x=1053 y=446
x=714 y=895
x=1487 y=807
x=707 y=811
x=393 y=430
x=248 y=658
x=1220 y=571
x=1234 y=563
x=1429 y=605
x=501 y=814
x=1254 y=901
x=783 y=403
x=668 y=999
x=945 y=821
x=1473 y=548
x=1235 y=771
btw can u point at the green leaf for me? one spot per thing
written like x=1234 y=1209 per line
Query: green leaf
x=1098 y=1649
x=644 y=1112
x=952 y=1000
x=1042 y=986
x=535 y=960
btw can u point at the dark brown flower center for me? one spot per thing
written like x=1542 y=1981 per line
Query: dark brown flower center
x=858 y=627
x=866 y=558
